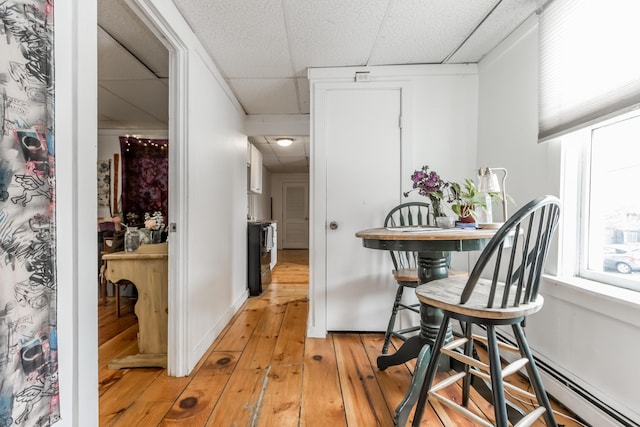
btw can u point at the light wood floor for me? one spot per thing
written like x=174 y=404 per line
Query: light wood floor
x=262 y=371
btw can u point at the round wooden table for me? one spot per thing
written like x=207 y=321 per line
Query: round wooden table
x=433 y=246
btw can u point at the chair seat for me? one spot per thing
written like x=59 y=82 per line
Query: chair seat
x=445 y=294
x=406 y=275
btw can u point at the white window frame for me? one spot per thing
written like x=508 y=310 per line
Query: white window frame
x=575 y=196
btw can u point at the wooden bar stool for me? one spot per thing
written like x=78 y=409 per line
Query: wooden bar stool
x=405 y=270
x=502 y=289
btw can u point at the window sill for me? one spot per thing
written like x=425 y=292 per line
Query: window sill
x=618 y=303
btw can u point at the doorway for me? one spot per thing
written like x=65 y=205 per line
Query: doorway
x=353 y=122
x=358 y=195
x=295 y=215
x=133 y=100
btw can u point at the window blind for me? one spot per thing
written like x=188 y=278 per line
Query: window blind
x=589 y=63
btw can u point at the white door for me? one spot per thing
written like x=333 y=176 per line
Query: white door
x=295 y=215
x=363 y=184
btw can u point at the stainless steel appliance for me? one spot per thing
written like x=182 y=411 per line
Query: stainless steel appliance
x=259 y=246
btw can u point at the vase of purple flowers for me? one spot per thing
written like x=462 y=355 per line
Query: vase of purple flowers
x=429 y=184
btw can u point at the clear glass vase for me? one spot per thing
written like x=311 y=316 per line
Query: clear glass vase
x=131 y=239
x=436 y=207
x=156 y=236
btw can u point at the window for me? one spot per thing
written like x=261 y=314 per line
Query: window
x=589 y=96
x=608 y=229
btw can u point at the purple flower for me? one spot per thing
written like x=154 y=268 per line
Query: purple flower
x=428 y=183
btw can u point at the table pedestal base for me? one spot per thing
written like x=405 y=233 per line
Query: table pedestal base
x=429 y=318
x=431 y=266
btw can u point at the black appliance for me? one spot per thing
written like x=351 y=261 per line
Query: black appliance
x=259 y=245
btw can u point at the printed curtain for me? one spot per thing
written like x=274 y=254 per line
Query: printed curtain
x=29 y=394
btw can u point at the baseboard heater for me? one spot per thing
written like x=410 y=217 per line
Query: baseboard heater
x=576 y=388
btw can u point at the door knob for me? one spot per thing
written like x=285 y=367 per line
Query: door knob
x=333 y=225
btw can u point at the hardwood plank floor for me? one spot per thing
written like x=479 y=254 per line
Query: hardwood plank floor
x=262 y=371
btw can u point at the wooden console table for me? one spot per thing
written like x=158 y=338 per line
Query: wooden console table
x=147 y=269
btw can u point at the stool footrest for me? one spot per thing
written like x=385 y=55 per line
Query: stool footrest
x=501 y=345
x=531 y=417
x=512 y=388
x=460 y=409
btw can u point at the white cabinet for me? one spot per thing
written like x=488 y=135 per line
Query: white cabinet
x=255 y=168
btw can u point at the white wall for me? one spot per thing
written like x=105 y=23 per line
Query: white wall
x=591 y=338
x=212 y=234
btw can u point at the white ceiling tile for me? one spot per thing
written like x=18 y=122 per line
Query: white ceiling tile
x=418 y=31
x=505 y=19
x=294 y=166
x=266 y=96
x=118 y=109
x=118 y=20
x=332 y=32
x=114 y=62
x=151 y=96
x=247 y=38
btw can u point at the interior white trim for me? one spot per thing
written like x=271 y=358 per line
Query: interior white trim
x=178 y=351
x=75 y=62
x=391 y=72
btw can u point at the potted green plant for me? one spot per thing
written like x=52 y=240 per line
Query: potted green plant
x=465 y=198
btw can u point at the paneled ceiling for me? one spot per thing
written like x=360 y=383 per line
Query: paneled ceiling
x=263 y=49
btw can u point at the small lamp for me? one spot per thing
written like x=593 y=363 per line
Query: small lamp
x=284 y=142
x=489 y=184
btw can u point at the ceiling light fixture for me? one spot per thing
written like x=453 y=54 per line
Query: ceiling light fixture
x=284 y=142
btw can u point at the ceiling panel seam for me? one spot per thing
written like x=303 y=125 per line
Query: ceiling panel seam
x=130 y=53
x=375 y=42
x=291 y=58
x=145 y=112
x=482 y=21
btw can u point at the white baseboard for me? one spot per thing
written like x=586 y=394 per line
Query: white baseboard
x=571 y=391
x=577 y=404
x=203 y=345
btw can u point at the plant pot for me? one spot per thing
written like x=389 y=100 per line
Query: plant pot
x=466 y=215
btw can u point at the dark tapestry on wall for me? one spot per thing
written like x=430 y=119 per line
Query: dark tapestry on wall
x=145 y=178
x=29 y=394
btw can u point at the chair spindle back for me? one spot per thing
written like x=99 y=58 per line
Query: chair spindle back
x=407 y=214
x=514 y=258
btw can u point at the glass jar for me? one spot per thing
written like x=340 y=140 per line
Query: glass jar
x=131 y=239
